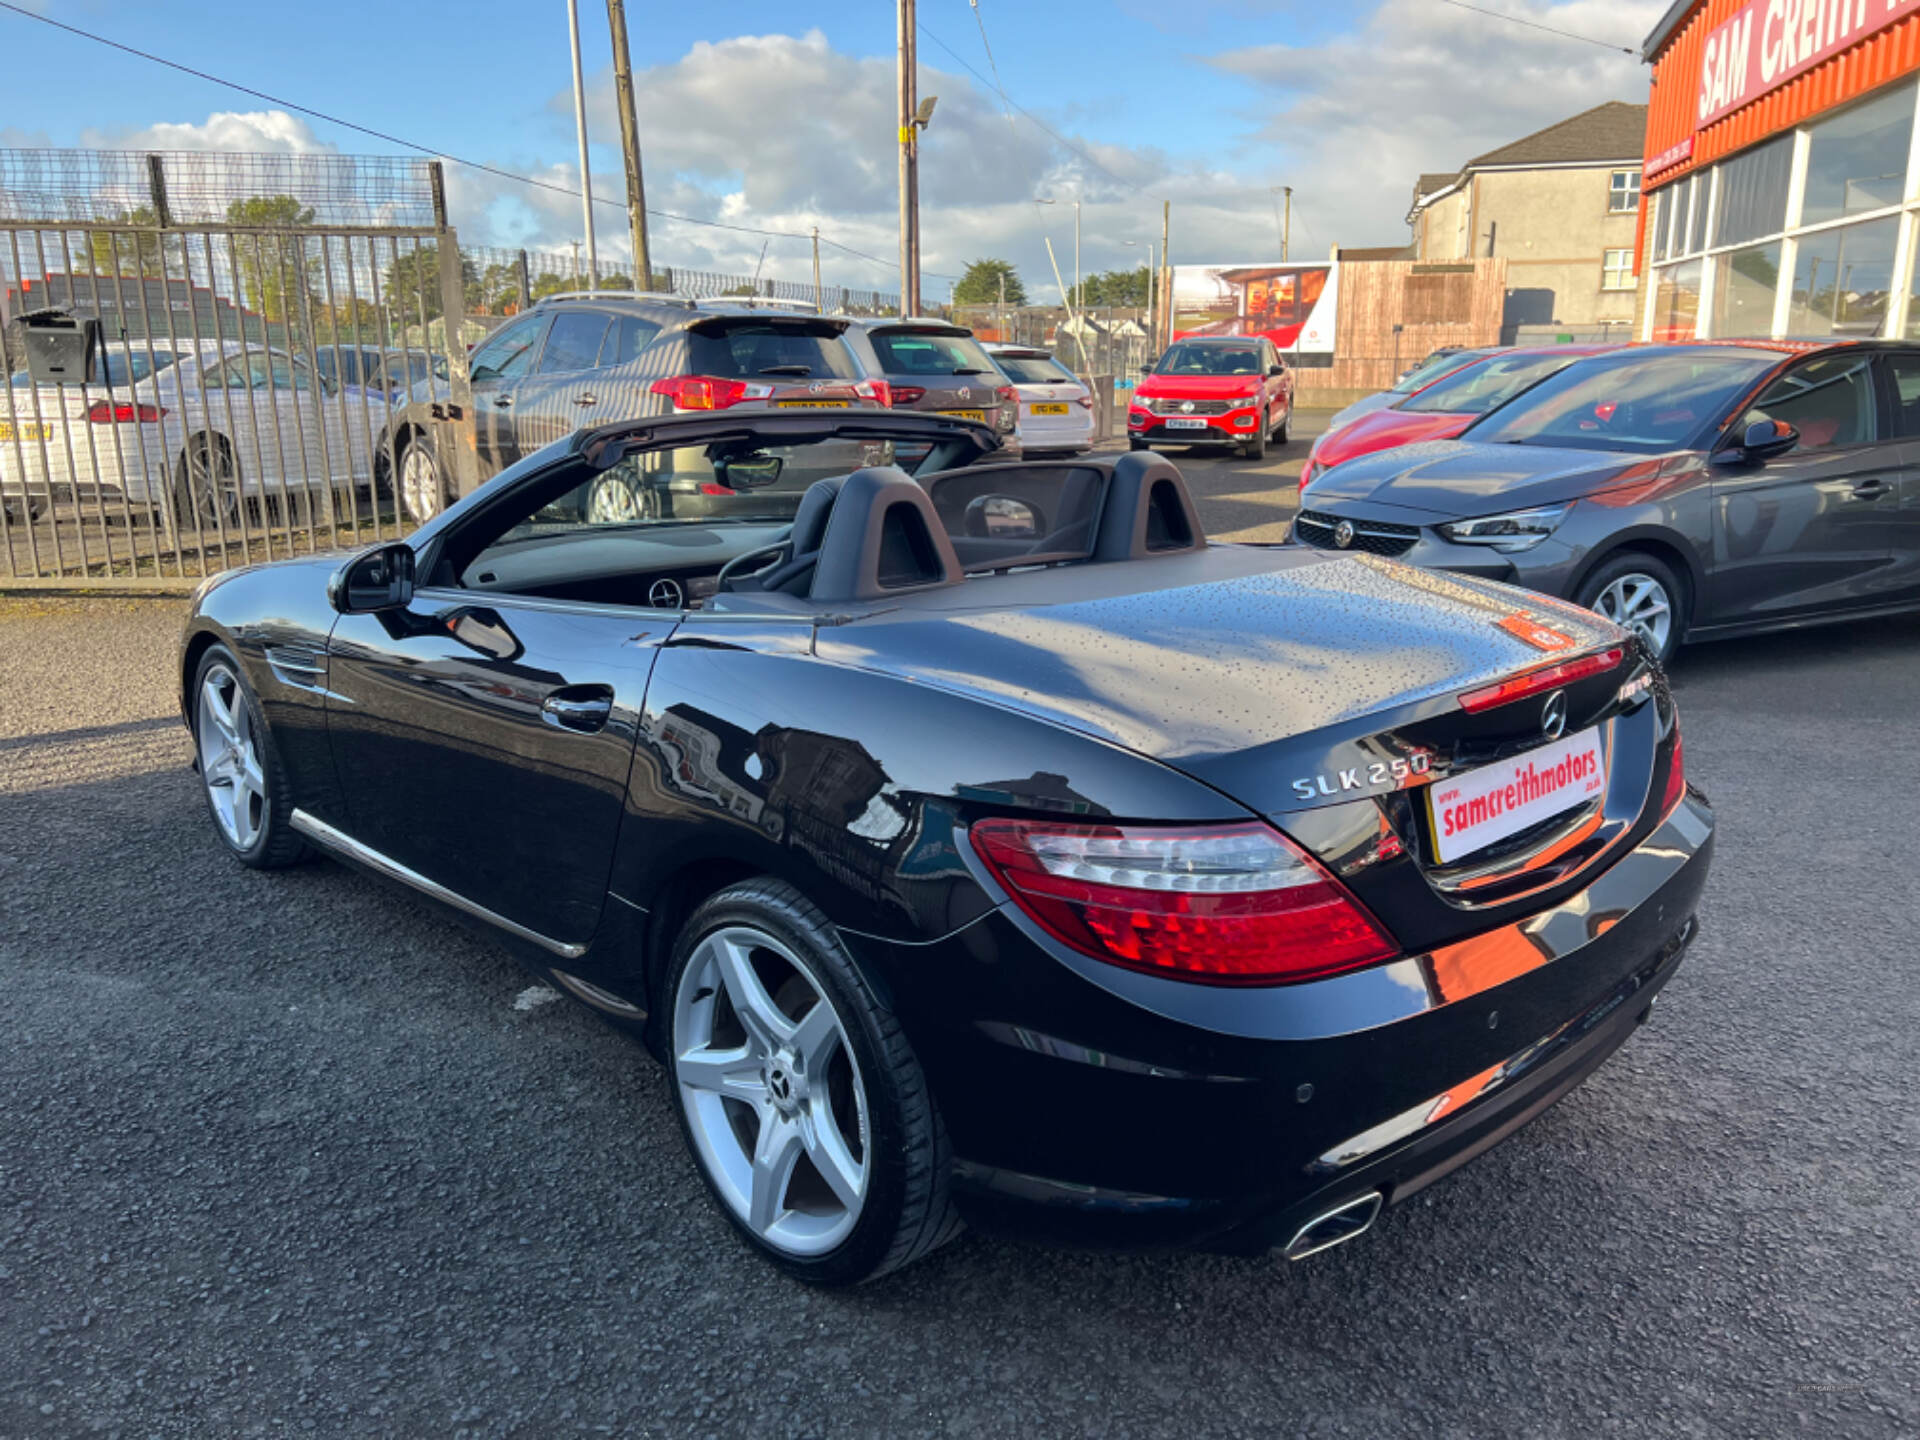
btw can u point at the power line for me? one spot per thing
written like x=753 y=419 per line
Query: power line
x=414 y=145
x=1536 y=25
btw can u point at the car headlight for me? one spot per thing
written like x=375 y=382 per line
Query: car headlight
x=1514 y=531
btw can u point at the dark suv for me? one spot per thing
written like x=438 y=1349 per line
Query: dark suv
x=934 y=365
x=583 y=359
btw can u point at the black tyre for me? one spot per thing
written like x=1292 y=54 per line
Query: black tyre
x=240 y=772
x=803 y=1105
x=1133 y=444
x=1256 y=448
x=1642 y=593
x=1285 y=432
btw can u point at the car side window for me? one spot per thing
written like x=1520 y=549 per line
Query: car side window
x=628 y=337
x=1903 y=375
x=574 y=343
x=1829 y=401
x=509 y=353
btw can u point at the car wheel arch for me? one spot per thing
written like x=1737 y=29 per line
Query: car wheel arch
x=1663 y=545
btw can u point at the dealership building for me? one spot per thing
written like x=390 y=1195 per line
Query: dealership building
x=1781 y=177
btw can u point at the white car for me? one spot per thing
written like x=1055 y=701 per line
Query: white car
x=195 y=431
x=1056 y=411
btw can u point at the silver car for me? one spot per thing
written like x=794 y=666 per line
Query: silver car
x=1055 y=410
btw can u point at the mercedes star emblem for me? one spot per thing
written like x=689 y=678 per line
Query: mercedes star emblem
x=666 y=595
x=1343 y=534
x=1553 y=715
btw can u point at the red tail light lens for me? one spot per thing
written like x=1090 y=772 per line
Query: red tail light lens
x=908 y=394
x=1008 y=395
x=1548 y=677
x=705 y=392
x=1221 y=905
x=878 y=391
x=1085 y=402
x=1676 y=775
x=102 y=413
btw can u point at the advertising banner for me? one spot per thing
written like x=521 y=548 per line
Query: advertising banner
x=1292 y=305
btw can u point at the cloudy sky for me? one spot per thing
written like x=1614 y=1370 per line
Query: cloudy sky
x=779 y=117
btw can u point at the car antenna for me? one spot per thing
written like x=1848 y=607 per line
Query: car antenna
x=762 y=261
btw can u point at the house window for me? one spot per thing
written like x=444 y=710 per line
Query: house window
x=1616 y=270
x=1623 y=192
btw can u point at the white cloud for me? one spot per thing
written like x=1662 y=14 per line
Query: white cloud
x=254 y=131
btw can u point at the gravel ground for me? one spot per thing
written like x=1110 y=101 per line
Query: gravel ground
x=294 y=1153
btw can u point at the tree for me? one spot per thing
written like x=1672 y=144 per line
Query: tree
x=412 y=283
x=156 y=255
x=548 y=283
x=277 y=284
x=981 y=284
x=1114 y=287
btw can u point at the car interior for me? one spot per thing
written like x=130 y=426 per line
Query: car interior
x=864 y=535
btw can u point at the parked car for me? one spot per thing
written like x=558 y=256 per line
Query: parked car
x=983 y=843
x=937 y=367
x=392 y=372
x=210 y=431
x=1687 y=491
x=1411 y=382
x=1443 y=408
x=1232 y=390
x=1056 y=410
x=577 y=360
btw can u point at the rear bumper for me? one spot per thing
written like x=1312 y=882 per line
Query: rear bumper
x=1225 y=1119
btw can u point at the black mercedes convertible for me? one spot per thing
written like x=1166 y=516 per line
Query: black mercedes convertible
x=976 y=841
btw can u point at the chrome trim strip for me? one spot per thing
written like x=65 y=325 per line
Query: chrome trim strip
x=325 y=835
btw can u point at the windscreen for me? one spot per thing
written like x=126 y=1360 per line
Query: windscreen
x=1432 y=368
x=911 y=352
x=1210 y=360
x=755 y=348
x=1647 y=403
x=1484 y=385
x=1032 y=369
x=1002 y=518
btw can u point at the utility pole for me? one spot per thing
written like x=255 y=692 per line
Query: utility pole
x=630 y=143
x=819 y=295
x=1166 y=273
x=1286 y=229
x=1079 y=294
x=1000 y=309
x=580 y=124
x=909 y=138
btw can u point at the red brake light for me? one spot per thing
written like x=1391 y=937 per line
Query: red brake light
x=1085 y=402
x=1676 y=774
x=876 y=390
x=1548 y=677
x=701 y=392
x=908 y=394
x=1008 y=395
x=1217 y=904
x=102 y=413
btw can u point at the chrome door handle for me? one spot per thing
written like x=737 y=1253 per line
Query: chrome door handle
x=586 y=399
x=1872 y=489
x=503 y=401
x=585 y=710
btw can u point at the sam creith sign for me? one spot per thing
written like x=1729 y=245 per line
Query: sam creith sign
x=1768 y=42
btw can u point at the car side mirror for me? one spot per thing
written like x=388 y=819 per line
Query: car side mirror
x=1146 y=369
x=374 y=580
x=1763 y=440
x=1001 y=517
x=1277 y=370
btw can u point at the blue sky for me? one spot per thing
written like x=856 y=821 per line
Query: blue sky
x=771 y=115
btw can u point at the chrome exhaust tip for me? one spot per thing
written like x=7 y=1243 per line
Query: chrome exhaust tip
x=1335 y=1227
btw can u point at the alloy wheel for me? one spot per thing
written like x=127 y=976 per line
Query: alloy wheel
x=611 y=501
x=771 y=1090
x=419 y=483
x=1640 y=603
x=212 y=486
x=230 y=759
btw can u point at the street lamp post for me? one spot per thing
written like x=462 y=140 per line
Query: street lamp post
x=580 y=124
x=1151 y=280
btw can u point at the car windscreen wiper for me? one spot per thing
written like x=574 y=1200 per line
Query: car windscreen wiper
x=802 y=370
x=971 y=370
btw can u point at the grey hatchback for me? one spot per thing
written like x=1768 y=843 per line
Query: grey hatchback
x=1686 y=491
x=932 y=364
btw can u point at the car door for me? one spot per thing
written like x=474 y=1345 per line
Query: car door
x=1807 y=531
x=499 y=365
x=1900 y=371
x=559 y=396
x=483 y=742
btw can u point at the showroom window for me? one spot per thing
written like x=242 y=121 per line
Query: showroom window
x=1616 y=270
x=1623 y=192
x=1801 y=236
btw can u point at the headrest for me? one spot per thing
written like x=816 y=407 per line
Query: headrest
x=883 y=538
x=1148 y=511
x=810 y=519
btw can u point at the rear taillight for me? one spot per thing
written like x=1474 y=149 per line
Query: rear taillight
x=102 y=413
x=878 y=391
x=1009 y=399
x=1548 y=677
x=1676 y=775
x=1222 y=905
x=908 y=394
x=1085 y=402
x=708 y=392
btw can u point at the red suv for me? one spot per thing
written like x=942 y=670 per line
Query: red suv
x=1223 y=390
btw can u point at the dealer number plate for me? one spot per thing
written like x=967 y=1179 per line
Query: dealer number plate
x=28 y=430
x=965 y=414
x=811 y=404
x=1471 y=811
x=1182 y=423
x=1049 y=409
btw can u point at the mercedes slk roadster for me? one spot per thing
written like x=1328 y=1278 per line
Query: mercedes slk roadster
x=974 y=841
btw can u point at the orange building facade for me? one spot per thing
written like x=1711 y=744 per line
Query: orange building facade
x=1781 y=189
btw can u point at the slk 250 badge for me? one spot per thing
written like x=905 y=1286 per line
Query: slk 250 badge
x=1395 y=774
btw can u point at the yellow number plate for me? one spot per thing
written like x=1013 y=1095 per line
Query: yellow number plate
x=811 y=404
x=1048 y=409
x=965 y=414
x=29 y=430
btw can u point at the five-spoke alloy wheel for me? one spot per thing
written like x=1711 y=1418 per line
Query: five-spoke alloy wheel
x=238 y=766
